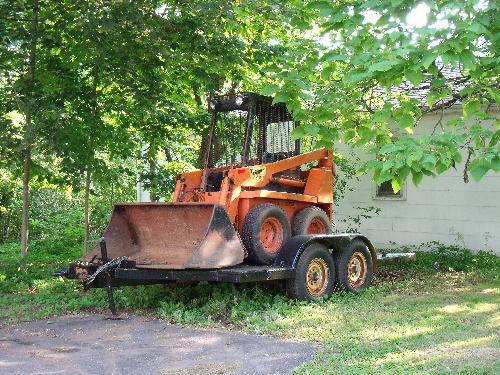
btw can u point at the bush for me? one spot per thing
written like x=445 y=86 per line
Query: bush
x=437 y=256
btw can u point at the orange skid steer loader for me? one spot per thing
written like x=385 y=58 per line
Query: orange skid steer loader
x=259 y=209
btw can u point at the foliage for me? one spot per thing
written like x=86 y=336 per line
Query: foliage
x=57 y=215
x=451 y=258
x=119 y=89
x=9 y=205
x=340 y=82
x=115 y=86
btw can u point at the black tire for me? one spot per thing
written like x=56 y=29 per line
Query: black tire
x=268 y=215
x=314 y=216
x=358 y=257
x=299 y=287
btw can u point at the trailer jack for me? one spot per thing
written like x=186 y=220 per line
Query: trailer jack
x=105 y=268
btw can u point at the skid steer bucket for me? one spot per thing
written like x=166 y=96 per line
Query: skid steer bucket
x=177 y=236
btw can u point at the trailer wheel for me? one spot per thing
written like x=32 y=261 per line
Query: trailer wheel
x=311 y=220
x=314 y=277
x=265 y=229
x=354 y=267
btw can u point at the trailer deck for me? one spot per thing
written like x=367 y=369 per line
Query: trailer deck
x=236 y=274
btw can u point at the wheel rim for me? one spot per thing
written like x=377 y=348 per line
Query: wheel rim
x=357 y=269
x=271 y=234
x=317 y=277
x=316 y=226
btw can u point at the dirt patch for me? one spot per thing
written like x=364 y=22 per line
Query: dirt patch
x=92 y=344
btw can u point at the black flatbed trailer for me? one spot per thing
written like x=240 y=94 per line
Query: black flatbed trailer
x=129 y=276
x=288 y=266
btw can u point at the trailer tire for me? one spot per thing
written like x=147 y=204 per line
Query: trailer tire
x=354 y=267
x=265 y=229
x=311 y=220
x=314 y=277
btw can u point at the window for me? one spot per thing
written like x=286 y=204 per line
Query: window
x=384 y=191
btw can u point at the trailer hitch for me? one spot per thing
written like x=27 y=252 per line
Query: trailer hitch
x=61 y=273
x=105 y=268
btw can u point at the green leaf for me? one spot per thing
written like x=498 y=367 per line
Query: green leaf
x=381 y=66
x=414 y=77
x=349 y=135
x=270 y=89
x=432 y=98
x=428 y=162
x=387 y=165
x=281 y=97
x=402 y=174
x=356 y=77
x=495 y=138
x=428 y=59
x=327 y=72
x=364 y=132
x=297 y=133
x=333 y=56
x=495 y=163
x=395 y=185
x=477 y=28
x=441 y=167
x=323 y=116
x=468 y=59
x=299 y=23
x=456 y=156
x=416 y=177
x=305 y=95
x=405 y=120
x=310 y=129
x=471 y=107
x=381 y=117
x=325 y=8
x=479 y=169
x=386 y=149
x=383 y=176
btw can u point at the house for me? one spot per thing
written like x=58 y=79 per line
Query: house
x=443 y=209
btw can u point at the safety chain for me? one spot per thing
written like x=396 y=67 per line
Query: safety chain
x=104 y=267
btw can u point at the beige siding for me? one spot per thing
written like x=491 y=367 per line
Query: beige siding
x=443 y=209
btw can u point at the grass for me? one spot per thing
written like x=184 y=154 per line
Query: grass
x=438 y=315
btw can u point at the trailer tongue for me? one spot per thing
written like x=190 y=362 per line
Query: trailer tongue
x=175 y=236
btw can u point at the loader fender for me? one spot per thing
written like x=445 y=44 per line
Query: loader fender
x=292 y=250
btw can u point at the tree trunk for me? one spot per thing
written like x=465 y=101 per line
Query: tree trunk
x=25 y=214
x=8 y=218
x=27 y=133
x=86 y=235
x=200 y=160
x=153 y=189
x=90 y=147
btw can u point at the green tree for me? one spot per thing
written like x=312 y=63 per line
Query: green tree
x=27 y=80
x=339 y=80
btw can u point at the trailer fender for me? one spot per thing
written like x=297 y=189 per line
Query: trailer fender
x=292 y=250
